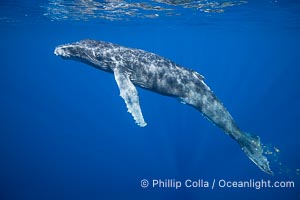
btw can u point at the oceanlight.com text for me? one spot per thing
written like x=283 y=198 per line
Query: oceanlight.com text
x=214 y=183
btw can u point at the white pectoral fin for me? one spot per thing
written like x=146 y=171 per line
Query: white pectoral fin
x=130 y=95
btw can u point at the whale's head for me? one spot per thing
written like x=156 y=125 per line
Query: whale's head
x=78 y=50
x=87 y=51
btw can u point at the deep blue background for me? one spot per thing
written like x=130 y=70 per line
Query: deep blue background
x=65 y=132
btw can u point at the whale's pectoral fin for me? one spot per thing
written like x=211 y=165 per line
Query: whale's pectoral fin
x=130 y=95
x=253 y=148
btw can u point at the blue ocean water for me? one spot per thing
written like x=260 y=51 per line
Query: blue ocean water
x=65 y=132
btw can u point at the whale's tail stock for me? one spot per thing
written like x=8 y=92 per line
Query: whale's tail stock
x=254 y=150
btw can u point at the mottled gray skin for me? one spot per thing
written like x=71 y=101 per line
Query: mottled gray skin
x=160 y=75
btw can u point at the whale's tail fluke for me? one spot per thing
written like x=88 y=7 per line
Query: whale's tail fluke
x=254 y=150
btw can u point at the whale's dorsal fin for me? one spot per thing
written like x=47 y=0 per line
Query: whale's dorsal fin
x=130 y=95
x=197 y=75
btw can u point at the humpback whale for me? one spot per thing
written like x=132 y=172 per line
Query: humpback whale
x=135 y=67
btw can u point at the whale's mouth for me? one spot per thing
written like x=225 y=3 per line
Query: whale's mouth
x=60 y=51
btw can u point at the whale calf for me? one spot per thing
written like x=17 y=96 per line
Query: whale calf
x=135 y=67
